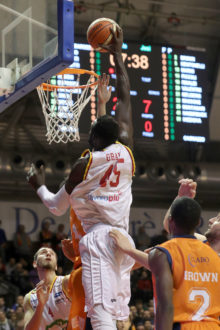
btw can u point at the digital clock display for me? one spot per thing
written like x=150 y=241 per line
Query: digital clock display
x=168 y=90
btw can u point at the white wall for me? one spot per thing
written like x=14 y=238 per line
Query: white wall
x=32 y=215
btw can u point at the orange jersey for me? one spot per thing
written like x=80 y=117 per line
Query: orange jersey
x=77 y=233
x=196 y=282
x=77 y=316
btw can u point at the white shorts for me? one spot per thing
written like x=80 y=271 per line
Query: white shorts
x=105 y=272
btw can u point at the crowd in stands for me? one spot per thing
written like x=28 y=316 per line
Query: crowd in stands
x=17 y=276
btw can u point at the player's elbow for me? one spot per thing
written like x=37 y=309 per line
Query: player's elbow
x=56 y=211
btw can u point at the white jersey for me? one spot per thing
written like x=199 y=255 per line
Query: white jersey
x=104 y=196
x=56 y=311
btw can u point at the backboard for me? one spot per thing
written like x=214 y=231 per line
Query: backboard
x=36 y=42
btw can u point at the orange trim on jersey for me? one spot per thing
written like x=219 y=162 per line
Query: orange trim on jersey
x=87 y=151
x=131 y=155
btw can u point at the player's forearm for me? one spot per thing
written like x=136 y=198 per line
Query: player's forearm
x=101 y=109
x=56 y=203
x=164 y=316
x=139 y=256
x=122 y=82
x=34 y=323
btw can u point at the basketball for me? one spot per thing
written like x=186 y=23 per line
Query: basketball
x=99 y=33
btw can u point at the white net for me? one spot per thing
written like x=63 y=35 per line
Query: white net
x=62 y=109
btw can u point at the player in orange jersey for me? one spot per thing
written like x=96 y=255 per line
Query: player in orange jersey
x=186 y=272
x=212 y=236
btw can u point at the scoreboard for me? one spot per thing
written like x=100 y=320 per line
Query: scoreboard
x=168 y=90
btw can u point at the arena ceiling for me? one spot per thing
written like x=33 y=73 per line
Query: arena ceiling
x=177 y=22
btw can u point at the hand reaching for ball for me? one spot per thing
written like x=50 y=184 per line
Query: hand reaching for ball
x=116 y=41
x=105 y=35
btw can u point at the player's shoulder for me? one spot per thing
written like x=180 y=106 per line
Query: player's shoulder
x=27 y=299
x=66 y=286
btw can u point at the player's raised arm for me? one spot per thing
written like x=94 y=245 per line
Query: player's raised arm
x=187 y=188
x=57 y=203
x=32 y=318
x=123 y=107
x=104 y=94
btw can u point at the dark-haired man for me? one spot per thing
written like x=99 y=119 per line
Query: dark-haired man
x=48 y=305
x=99 y=191
x=188 y=188
x=186 y=273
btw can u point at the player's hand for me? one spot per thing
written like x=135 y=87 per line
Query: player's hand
x=148 y=249
x=43 y=292
x=36 y=177
x=187 y=188
x=104 y=90
x=121 y=240
x=67 y=248
x=116 y=43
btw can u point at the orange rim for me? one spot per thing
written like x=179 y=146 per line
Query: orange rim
x=50 y=87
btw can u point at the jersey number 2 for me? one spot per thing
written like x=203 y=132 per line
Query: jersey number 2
x=197 y=293
x=110 y=170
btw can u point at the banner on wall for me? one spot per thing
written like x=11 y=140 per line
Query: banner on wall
x=33 y=215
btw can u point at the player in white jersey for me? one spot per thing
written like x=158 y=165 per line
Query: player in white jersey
x=99 y=190
x=48 y=305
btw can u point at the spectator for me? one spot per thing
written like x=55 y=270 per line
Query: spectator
x=10 y=266
x=144 y=285
x=13 y=318
x=19 y=318
x=140 y=326
x=3 y=242
x=142 y=239
x=133 y=313
x=148 y=325
x=139 y=306
x=46 y=236
x=147 y=315
x=8 y=292
x=2 y=266
x=20 y=277
x=19 y=302
x=5 y=324
x=151 y=310
x=22 y=244
x=33 y=277
x=2 y=304
x=159 y=239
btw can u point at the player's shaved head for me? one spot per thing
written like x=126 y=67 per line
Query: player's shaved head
x=186 y=213
x=104 y=132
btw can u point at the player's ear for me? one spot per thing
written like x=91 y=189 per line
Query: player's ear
x=34 y=264
x=170 y=223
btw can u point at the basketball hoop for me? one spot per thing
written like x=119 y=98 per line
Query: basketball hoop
x=62 y=104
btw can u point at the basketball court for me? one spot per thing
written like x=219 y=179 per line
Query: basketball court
x=48 y=77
